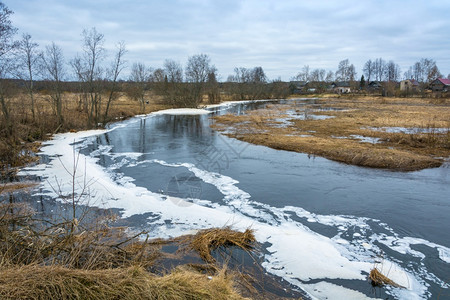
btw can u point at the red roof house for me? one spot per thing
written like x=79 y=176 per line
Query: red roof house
x=440 y=85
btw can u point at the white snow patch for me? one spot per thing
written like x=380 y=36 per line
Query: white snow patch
x=307 y=255
x=231 y=103
x=322 y=289
x=395 y=273
x=366 y=139
x=410 y=130
x=183 y=111
x=403 y=245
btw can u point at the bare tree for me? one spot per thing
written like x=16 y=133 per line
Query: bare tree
x=159 y=81
x=7 y=45
x=7 y=31
x=53 y=60
x=322 y=74
x=89 y=71
x=258 y=75
x=78 y=69
x=352 y=73
x=329 y=77
x=425 y=70
x=433 y=72
x=258 y=87
x=238 y=82
x=241 y=75
x=93 y=55
x=392 y=71
x=379 y=69
x=314 y=75
x=140 y=78
x=369 y=69
x=113 y=74
x=303 y=75
x=408 y=74
x=345 y=71
x=173 y=89
x=429 y=67
x=29 y=59
x=158 y=75
x=248 y=83
x=173 y=70
x=417 y=71
x=197 y=69
x=317 y=75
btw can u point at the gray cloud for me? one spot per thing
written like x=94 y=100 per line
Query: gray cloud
x=280 y=36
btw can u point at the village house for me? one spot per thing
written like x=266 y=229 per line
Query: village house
x=374 y=86
x=440 y=85
x=297 y=87
x=341 y=87
x=409 y=85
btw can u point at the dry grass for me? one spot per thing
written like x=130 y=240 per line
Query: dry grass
x=15 y=150
x=333 y=138
x=70 y=261
x=208 y=240
x=15 y=186
x=378 y=279
x=25 y=240
x=56 y=282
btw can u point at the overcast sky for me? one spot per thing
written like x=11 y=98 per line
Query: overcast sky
x=281 y=36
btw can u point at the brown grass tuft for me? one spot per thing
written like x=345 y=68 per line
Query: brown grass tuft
x=208 y=240
x=378 y=279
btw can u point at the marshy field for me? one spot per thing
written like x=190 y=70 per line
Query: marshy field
x=391 y=133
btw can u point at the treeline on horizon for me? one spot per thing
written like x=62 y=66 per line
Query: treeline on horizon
x=29 y=72
x=99 y=76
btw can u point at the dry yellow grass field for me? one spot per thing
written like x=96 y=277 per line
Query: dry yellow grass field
x=363 y=131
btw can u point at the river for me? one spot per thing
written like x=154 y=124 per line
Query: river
x=323 y=225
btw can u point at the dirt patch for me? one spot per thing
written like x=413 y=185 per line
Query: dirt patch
x=354 y=131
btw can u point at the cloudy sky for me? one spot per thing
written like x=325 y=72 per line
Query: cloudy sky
x=281 y=36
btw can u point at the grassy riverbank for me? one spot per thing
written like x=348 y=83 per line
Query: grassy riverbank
x=17 y=149
x=402 y=134
x=97 y=259
x=68 y=259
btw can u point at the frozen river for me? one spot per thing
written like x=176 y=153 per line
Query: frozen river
x=323 y=225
